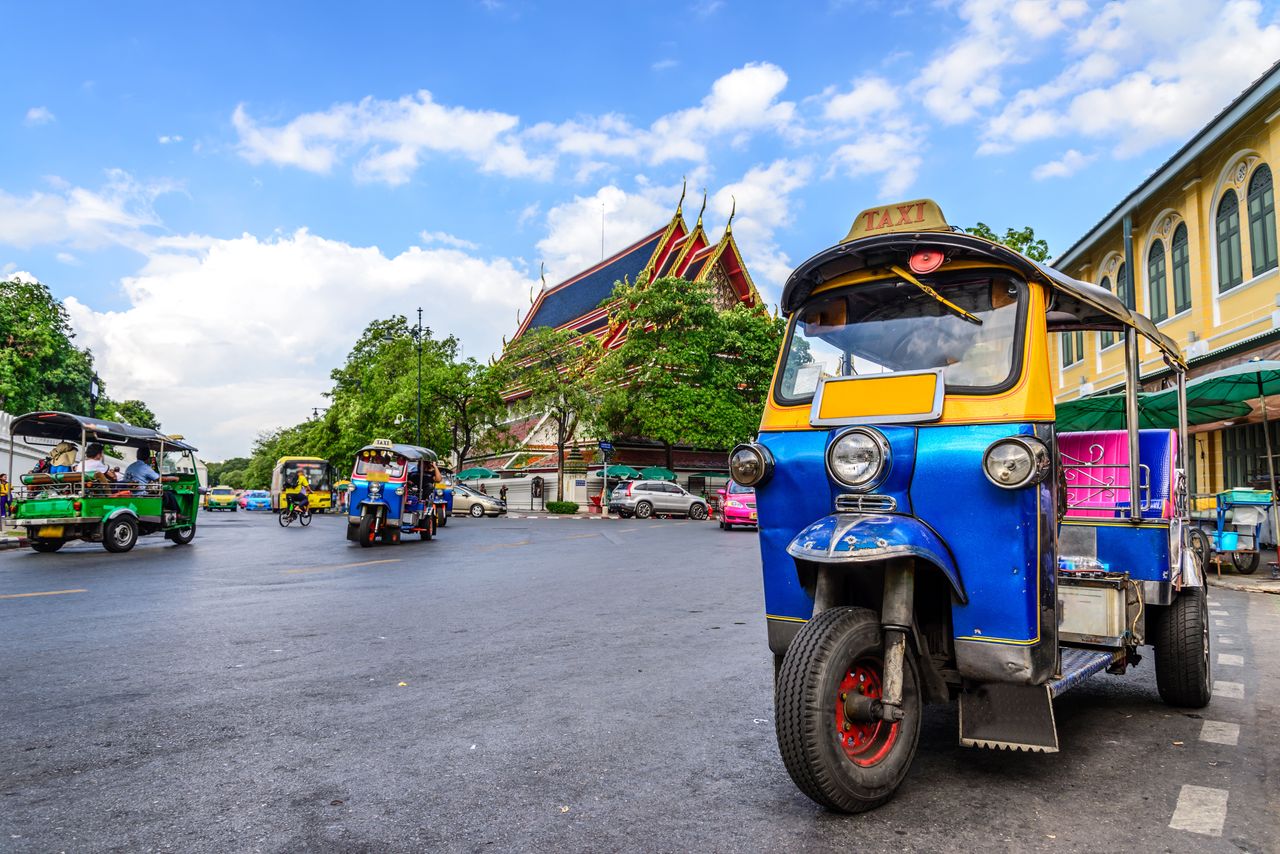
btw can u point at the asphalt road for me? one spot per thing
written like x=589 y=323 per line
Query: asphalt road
x=533 y=684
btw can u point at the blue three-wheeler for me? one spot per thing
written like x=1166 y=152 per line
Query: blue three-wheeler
x=392 y=491
x=928 y=535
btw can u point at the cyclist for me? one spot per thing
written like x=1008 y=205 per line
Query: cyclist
x=300 y=501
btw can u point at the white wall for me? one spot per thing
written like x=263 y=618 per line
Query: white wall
x=24 y=456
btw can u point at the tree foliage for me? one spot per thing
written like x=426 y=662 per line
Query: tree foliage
x=1019 y=239
x=133 y=412
x=688 y=373
x=554 y=368
x=40 y=365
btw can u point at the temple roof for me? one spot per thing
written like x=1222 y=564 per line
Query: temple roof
x=580 y=294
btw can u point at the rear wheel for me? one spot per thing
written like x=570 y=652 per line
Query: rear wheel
x=845 y=760
x=47 y=546
x=477 y=511
x=698 y=512
x=1246 y=563
x=442 y=517
x=428 y=524
x=391 y=535
x=368 y=532
x=644 y=510
x=119 y=534
x=1198 y=541
x=1181 y=641
x=183 y=536
x=305 y=518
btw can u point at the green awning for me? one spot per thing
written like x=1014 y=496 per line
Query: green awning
x=1158 y=410
x=657 y=473
x=618 y=471
x=476 y=473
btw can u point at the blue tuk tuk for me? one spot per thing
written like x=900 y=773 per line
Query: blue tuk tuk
x=392 y=493
x=929 y=535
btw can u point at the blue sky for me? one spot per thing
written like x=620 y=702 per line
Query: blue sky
x=226 y=194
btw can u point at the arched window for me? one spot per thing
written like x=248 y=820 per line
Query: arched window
x=1157 y=287
x=1124 y=288
x=1230 y=268
x=1108 y=338
x=1181 y=261
x=1262 y=220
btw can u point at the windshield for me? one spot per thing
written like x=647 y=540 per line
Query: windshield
x=894 y=327
x=177 y=462
x=317 y=473
x=223 y=491
x=738 y=489
x=377 y=462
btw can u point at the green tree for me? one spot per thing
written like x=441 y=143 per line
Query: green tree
x=1019 y=239
x=553 y=370
x=40 y=366
x=469 y=397
x=688 y=373
x=135 y=412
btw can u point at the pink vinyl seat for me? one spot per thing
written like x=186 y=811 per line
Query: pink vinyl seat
x=1097 y=472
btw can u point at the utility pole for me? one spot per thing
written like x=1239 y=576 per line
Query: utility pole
x=418 y=337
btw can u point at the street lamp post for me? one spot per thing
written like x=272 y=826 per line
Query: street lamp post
x=94 y=385
x=418 y=338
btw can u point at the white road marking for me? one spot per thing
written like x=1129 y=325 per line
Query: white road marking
x=1230 y=690
x=1214 y=604
x=1219 y=613
x=1226 y=639
x=1200 y=810
x=1222 y=624
x=1230 y=659
x=1219 y=732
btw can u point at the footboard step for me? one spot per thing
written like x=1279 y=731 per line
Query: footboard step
x=1078 y=665
x=1008 y=717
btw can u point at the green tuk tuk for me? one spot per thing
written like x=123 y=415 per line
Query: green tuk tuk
x=77 y=503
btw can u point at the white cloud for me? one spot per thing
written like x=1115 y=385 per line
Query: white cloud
x=169 y=138
x=68 y=259
x=277 y=314
x=741 y=101
x=665 y=64
x=1144 y=76
x=39 y=116
x=574 y=228
x=120 y=213
x=764 y=204
x=446 y=239
x=867 y=99
x=892 y=155
x=1064 y=167
x=390 y=138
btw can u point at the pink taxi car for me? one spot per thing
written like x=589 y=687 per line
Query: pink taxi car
x=737 y=506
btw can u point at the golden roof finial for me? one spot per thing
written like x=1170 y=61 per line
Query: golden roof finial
x=704 y=207
x=728 y=226
x=542 y=273
x=684 y=185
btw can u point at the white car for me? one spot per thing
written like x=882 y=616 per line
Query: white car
x=468 y=502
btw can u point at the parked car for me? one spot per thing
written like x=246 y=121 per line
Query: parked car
x=737 y=506
x=645 y=498
x=466 y=501
x=220 y=498
x=256 y=499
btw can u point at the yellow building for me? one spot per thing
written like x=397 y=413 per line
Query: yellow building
x=1195 y=249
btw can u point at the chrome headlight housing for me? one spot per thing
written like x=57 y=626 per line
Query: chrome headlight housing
x=375 y=490
x=1016 y=461
x=858 y=457
x=750 y=464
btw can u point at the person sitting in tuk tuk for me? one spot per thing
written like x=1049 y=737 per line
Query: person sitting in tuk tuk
x=95 y=466
x=62 y=458
x=141 y=472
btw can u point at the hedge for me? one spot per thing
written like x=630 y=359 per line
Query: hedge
x=562 y=507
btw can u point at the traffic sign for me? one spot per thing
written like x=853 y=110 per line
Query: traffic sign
x=607 y=447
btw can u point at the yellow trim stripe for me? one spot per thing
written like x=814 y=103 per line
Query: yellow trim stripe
x=786 y=619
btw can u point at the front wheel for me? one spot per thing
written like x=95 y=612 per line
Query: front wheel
x=477 y=511
x=368 y=531
x=1181 y=641
x=183 y=536
x=1246 y=563
x=47 y=546
x=644 y=510
x=442 y=517
x=843 y=759
x=284 y=518
x=305 y=518
x=698 y=512
x=119 y=534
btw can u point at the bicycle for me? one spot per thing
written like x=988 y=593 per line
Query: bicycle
x=292 y=511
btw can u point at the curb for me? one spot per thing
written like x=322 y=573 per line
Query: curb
x=1244 y=588
x=12 y=543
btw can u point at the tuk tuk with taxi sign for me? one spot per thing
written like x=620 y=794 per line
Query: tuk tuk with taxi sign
x=54 y=507
x=391 y=494
x=928 y=533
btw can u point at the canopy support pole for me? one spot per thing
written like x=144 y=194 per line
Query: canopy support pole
x=1131 y=368
x=1183 y=437
x=1271 y=469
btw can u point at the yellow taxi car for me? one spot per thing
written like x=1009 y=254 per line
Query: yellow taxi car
x=221 y=498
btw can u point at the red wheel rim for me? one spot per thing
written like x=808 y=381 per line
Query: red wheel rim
x=373 y=535
x=864 y=744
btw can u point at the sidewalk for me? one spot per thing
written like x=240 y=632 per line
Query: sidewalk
x=1259 y=582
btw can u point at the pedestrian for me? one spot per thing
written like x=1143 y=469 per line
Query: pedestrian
x=502 y=494
x=483 y=491
x=4 y=495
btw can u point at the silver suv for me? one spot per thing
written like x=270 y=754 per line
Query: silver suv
x=645 y=498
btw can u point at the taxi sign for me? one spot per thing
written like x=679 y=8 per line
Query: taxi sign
x=382 y=443
x=919 y=215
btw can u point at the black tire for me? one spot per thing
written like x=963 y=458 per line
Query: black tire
x=353 y=532
x=442 y=518
x=1198 y=542
x=1184 y=674
x=390 y=535
x=1246 y=563
x=644 y=510
x=119 y=534
x=181 y=537
x=47 y=546
x=698 y=512
x=305 y=518
x=861 y=768
x=477 y=511
x=284 y=517
x=368 y=531
x=428 y=526
x=723 y=525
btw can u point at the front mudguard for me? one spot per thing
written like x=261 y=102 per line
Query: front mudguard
x=854 y=538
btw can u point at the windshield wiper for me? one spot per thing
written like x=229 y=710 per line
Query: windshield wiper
x=937 y=296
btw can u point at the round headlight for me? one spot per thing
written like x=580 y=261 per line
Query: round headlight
x=1016 y=462
x=750 y=464
x=858 y=457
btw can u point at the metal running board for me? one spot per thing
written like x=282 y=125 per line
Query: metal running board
x=1008 y=717
x=1078 y=665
